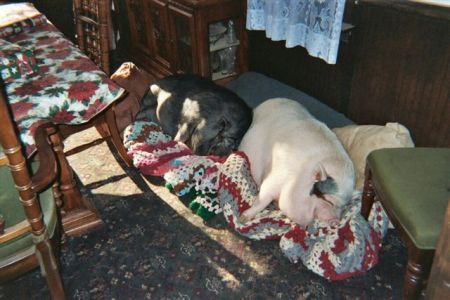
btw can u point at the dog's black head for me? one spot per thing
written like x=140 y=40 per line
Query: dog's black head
x=208 y=118
x=208 y=137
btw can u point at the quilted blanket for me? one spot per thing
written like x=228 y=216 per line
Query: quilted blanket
x=223 y=185
x=59 y=84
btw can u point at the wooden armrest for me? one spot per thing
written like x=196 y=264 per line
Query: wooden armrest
x=47 y=170
x=15 y=231
x=3 y=159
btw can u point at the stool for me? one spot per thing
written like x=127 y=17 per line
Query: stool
x=413 y=186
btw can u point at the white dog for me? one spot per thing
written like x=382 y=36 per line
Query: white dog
x=299 y=161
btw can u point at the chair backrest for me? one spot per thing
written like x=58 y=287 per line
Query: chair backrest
x=27 y=188
x=16 y=160
x=92 y=19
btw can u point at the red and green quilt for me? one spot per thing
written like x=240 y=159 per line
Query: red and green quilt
x=54 y=81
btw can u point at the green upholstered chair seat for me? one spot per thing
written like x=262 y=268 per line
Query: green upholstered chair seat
x=415 y=187
x=13 y=213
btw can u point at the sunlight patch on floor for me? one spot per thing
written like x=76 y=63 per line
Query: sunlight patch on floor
x=97 y=168
x=230 y=280
x=228 y=240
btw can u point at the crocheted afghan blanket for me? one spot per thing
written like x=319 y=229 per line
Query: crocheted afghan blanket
x=224 y=185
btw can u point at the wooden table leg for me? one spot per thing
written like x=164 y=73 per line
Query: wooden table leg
x=78 y=214
x=113 y=131
x=107 y=128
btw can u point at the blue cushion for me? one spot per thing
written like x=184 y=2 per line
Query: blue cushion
x=255 y=88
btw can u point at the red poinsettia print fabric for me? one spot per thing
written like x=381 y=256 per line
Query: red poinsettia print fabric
x=67 y=89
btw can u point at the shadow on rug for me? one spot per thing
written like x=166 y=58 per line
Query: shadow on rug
x=150 y=250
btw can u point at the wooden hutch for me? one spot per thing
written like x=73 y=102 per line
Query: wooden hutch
x=205 y=37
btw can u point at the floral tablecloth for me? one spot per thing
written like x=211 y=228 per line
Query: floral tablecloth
x=66 y=88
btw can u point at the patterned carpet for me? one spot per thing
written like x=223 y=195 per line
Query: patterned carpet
x=153 y=247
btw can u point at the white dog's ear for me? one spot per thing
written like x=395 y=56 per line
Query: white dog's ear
x=320 y=174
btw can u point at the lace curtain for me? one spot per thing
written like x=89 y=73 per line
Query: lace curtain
x=313 y=24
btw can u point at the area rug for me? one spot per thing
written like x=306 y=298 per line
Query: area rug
x=150 y=249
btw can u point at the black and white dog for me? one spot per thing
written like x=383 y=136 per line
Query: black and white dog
x=208 y=118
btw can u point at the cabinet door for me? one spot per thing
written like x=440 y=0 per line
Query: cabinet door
x=160 y=32
x=184 y=40
x=138 y=29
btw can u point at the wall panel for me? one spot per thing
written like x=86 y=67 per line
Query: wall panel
x=402 y=72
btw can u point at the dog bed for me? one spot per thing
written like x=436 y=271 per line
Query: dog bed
x=223 y=185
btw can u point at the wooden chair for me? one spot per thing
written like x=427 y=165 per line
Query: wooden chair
x=438 y=283
x=413 y=185
x=30 y=232
x=79 y=216
x=93 y=25
x=92 y=20
x=78 y=213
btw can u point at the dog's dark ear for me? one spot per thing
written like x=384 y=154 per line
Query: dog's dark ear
x=221 y=144
x=149 y=99
x=147 y=111
x=327 y=186
x=223 y=124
